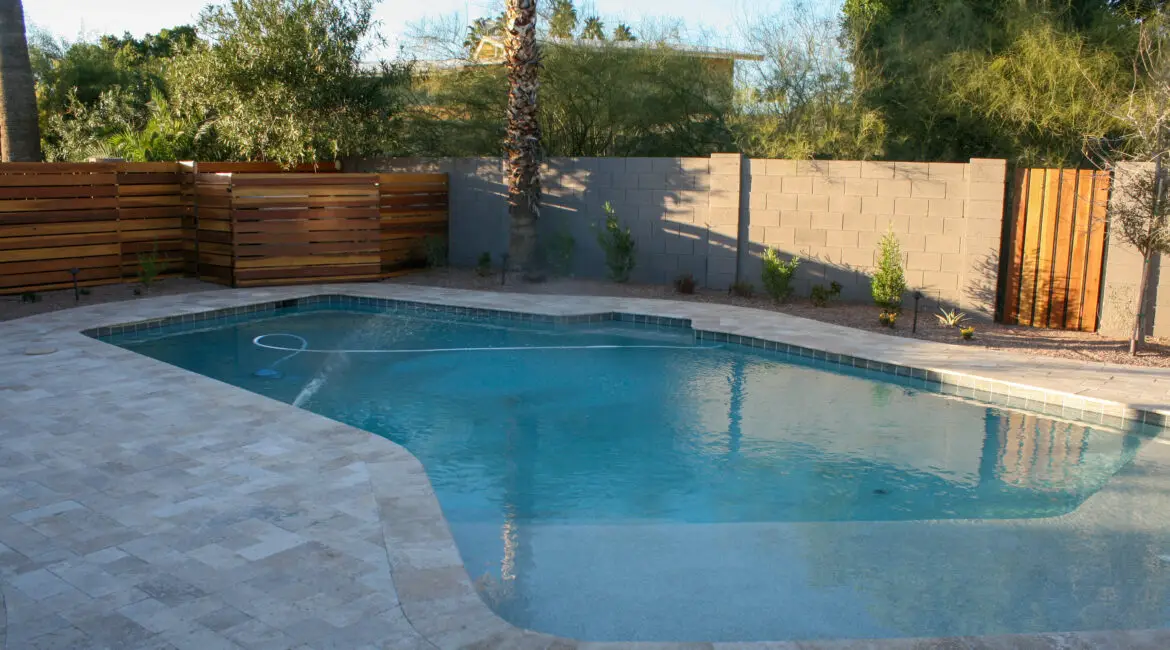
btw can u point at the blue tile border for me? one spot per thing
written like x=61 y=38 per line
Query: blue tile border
x=988 y=391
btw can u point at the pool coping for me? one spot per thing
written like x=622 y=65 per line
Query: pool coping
x=434 y=589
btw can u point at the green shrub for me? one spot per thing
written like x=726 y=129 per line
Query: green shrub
x=30 y=296
x=484 y=266
x=149 y=267
x=742 y=288
x=435 y=251
x=777 y=275
x=967 y=333
x=889 y=282
x=950 y=317
x=685 y=283
x=821 y=297
x=619 y=246
x=888 y=318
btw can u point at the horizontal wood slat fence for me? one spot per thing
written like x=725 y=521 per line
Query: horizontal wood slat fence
x=242 y=224
x=1055 y=248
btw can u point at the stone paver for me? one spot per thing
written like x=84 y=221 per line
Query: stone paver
x=142 y=506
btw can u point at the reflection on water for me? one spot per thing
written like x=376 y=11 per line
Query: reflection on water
x=700 y=494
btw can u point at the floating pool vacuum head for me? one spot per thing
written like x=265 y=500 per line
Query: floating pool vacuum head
x=268 y=373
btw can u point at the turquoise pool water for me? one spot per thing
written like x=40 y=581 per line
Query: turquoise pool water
x=619 y=482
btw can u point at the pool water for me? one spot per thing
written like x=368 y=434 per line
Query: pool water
x=620 y=482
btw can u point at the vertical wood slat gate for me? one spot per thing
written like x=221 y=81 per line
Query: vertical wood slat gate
x=1055 y=248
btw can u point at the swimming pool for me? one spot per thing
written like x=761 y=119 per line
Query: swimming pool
x=630 y=483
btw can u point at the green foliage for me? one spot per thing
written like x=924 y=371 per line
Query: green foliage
x=149 y=267
x=822 y=296
x=559 y=250
x=742 y=289
x=888 y=318
x=619 y=246
x=889 y=281
x=685 y=283
x=562 y=23
x=950 y=317
x=30 y=296
x=484 y=266
x=434 y=248
x=483 y=28
x=623 y=34
x=594 y=29
x=282 y=80
x=776 y=275
x=967 y=333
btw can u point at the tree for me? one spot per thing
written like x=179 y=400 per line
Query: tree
x=563 y=20
x=483 y=28
x=20 y=137
x=594 y=29
x=283 y=80
x=622 y=33
x=522 y=139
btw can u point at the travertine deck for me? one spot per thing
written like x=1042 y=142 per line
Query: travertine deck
x=142 y=506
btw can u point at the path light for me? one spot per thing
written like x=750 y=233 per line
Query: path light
x=917 y=297
x=76 y=291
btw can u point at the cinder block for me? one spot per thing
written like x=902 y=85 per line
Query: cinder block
x=781 y=201
x=947 y=171
x=985 y=191
x=911 y=170
x=957 y=190
x=977 y=209
x=926 y=225
x=984 y=228
x=923 y=261
x=911 y=207
x=641 y=197
x=952 y=263
x=672 y=213
x=913 y=278
x=841 y=239
x=828 y=186
x=779 y=236
x=945 y=208
x=894 y=188
x=863 y=222
x=725 y=183
x=812 y=202
x=862 y=258
x=827 y=220
x=639 y=165
x=652 y=181
x=861 y=187
x=722 y=216
x=987 y=170
x=846 y=204
x=927 y=189
x=797 y=185
x=691 y=198
x=695 y=165
x=871 y=169
x=796 y=218
x=756 y=233
x=723 y=199
x=810 y=237
x=666 y=165
x=868 y=241
x=764 y=217
x=897 y=223
x=912 y=241
x=757 y=200
x=680 y=245
x=726 y=164
x=956 y=227
x=943 y=243
x=844 y=168
x=780 y=167
x=945 y=283
x=766 y=184
x=877 y=204
x=811 y=167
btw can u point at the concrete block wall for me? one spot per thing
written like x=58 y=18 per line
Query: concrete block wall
x=712 y=217
x=832 y=214
x=1123 y=272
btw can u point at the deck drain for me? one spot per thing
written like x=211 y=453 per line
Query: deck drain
x=36 y=352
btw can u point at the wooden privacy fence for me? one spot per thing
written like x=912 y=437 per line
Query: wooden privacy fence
x=1055 y=248
x=243 y=224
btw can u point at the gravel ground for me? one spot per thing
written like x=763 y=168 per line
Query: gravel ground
x=1081 y=346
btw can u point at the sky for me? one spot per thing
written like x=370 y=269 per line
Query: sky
x=81 y=19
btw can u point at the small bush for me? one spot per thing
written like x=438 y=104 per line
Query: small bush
x=889 y=282
x=950 y=318
x=561 y=247
x=743 y=289
x=888 y=318
x=484 y=266
x=777 y=275
x=619 y=246
x=821 y=297
x=685 y=283
x=30 y=296
x=83 y=291
x=435 y=251
x=967 y=333
x=149 y=267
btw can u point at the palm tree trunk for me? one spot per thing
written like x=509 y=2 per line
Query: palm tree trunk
x=522 y=142
x=20 y=136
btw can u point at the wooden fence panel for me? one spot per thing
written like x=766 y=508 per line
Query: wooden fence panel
x=293 y=228
x=1056 y=248
x=414 y=211
x=151 y=210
